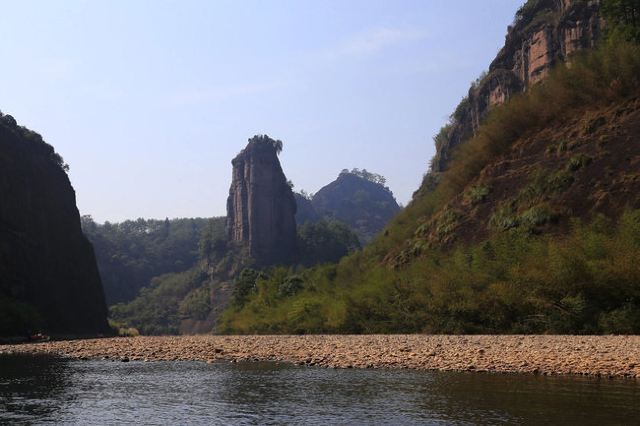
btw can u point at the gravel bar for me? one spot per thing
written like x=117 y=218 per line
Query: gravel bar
x=607 y=356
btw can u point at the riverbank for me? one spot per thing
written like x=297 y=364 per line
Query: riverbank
x=608 y=356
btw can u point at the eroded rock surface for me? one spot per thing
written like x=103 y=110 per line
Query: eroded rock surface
x=547 y=32
x=261 y=207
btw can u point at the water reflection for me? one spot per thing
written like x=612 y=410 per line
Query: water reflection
x=523 y=399
x=30 y=386
x=98 y=392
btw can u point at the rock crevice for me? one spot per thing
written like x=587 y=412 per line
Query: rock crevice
x=261 y=206
x=544 y=33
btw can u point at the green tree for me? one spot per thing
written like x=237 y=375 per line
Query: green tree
x=325 y=241
x=623 y=18
x=245 y=285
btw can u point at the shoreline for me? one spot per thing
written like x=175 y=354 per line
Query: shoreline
x=600 y=356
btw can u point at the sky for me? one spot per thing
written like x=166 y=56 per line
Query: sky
x=149 y=100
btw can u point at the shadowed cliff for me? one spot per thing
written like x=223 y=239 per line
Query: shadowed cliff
x=49 y=280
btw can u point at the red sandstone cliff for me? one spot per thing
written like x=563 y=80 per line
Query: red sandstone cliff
x=261 y=207
x=544 y=33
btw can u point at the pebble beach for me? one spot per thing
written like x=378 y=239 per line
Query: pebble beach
x=605 y=356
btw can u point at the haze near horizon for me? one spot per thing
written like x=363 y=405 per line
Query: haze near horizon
x=149 y=101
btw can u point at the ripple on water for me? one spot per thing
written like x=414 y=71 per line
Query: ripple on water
x=45 y=389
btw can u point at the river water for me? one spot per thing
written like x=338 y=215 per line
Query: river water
x=39 y=389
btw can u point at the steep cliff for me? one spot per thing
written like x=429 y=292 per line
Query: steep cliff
x=131 y=253
x=533 y=226
x=48 y=275
x=261 y=207
x=544 y=33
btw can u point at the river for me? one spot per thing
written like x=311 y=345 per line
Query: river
x=43 y=389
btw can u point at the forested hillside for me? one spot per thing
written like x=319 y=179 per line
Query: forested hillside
x=132 y=252
x=185 y=271
x=529 y=221
x=357 y=198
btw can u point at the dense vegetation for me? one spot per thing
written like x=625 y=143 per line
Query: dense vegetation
x=131 y=253
x=515 y=280
x=169 y=299
x=357 y=198
x=624 y=18
x=34 y=139
x=325 y=241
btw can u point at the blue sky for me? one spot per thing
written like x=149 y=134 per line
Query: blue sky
x=148 y=101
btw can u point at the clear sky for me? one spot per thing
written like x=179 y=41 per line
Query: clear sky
x=148 y=101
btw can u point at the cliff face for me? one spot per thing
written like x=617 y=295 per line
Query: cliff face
x=261 y=207
x=544 y=33
x=363 y=205
x=48 y=274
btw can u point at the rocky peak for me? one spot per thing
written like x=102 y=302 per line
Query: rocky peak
x=360 y=200
x=544 y=33
x=261 y=207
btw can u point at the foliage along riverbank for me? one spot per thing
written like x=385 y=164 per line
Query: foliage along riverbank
x=538 y=269
x=586 y=282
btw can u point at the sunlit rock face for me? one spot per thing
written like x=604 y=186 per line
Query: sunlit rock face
x=548 y=32
x=261 y=206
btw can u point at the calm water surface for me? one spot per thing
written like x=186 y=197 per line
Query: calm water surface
x=38 y=389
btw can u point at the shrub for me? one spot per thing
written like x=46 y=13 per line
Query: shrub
x=536 y=216
x=578 y=161
x=504 y=218
x=589 y=80
x=122 y=330
x=290 y=286
x=196 y=304
x=478 y=194
x=245 y=285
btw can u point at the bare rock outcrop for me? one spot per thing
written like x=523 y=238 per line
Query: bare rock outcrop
x=261 y=207
x=544 y=33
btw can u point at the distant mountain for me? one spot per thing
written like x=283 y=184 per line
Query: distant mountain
x=528 y=220
x=181 y=289
x=305 y=211
x=356 y=198
x=49 y=280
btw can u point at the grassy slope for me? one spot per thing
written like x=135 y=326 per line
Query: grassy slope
x=469 y=257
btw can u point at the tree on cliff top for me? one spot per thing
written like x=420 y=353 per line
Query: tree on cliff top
x=275 y=143
x=364 y=174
